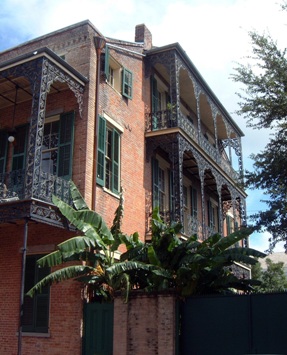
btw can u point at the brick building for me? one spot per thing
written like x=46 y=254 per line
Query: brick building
x=107 y=114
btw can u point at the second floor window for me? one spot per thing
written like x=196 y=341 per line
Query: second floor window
x=57 y=147
x=212 y=216
x=162 y=187
x=108 y=161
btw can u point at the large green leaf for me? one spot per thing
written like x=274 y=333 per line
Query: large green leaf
x=226 y=242
x=87 y=221
x=53 y=259
x=60 y=275
x=78 y=201
x=152 y=257
x=126 y=266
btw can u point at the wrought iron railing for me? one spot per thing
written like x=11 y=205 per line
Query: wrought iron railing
x=165 y=119
x=194 y=226
x=160 y=120
x=12 y=187
x=190 y=225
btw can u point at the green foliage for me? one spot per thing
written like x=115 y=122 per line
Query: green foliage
x=273 y=279
x=189 y=266
x=93 y=251
x=166 y=262
x=263 y=102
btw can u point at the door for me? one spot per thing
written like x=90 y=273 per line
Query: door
x=98 y=329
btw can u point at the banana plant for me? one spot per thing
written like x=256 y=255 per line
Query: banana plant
x=167 y=262
x=93 y=250
x=190 y=266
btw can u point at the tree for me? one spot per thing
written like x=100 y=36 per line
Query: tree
x=273 y=279
x=263 y=103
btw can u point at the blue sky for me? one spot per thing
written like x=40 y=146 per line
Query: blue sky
x=214 y=34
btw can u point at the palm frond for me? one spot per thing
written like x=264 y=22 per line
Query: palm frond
x=78 y=201
x=127 y=266
x=59 y=275
x=53 y=259
x=233 y=238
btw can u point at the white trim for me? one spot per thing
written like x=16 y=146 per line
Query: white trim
x=113 y=122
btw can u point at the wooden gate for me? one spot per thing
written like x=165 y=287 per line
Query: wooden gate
x=98 y=329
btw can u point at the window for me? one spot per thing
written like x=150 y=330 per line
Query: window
x=3 y=150
x=111 y=79
x=108 y=162
x=120 y=78
x=212 y=215
x=36 y=309
x=194 y=208
x=19 y=151
x=186 y=208
x=162 y=187
x=159 y=101
x=57 y=148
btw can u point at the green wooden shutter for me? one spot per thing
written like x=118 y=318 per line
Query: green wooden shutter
x=66 y=140
x=116 y=161
x=194 y=210
x=101 y=151
x=127 y=83
x=107 y=62
x=155 y=181
x=3 y=150
x=154 y=103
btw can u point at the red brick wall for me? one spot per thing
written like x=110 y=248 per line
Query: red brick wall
x=129 y=114
x=146 y=325
x=65 y=298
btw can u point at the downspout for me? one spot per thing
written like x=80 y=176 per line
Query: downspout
x=24 y=250
x=99 y=44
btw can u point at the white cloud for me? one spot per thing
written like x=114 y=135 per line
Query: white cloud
x=260 y=241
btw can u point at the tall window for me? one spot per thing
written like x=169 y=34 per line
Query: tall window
x=162 y=188
x=194 y=208
x=108 y=162
x=3 y=150
x=36 y=309
x=212 y=216
x=229 y=224
x=57 y=148
x=50 y=146
x=19 y=150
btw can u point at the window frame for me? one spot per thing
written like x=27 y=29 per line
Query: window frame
x=34 y=302
x=213 y=215
x=161 y=193
x=104 y=126
x=65 y=147
x=3 y=150
x=122 y=80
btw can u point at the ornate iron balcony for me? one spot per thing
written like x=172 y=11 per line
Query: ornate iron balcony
x=164 y=119
x=12 y=187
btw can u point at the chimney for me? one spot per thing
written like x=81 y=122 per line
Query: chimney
x=144 y=35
